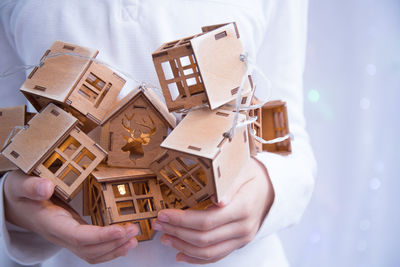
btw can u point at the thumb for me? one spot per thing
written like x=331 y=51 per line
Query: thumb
x=244 y=176
x=31 y=187
x=36 y=188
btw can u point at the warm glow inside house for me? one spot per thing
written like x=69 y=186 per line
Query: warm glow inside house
x=120 y=195
x=53 y=147
x=199 y=161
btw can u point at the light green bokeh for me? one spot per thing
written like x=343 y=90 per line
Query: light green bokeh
x=313 y=96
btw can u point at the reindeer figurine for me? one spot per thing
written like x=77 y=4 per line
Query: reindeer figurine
x=135 y=144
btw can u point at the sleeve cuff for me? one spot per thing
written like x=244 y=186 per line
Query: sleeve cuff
x=293 y=183
x=21 y=245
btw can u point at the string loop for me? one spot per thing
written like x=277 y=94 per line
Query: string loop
x=250 y=65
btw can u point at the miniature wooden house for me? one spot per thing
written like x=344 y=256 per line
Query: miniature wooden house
x=9 y=118
x=53 y=147
x=199 y=160
x=171 y=200
x=133 y=131
x=271 y=123
x=203 y=68
x=70 y=78
x=246 y=98
x=118 y=195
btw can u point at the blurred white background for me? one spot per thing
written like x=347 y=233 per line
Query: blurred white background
x=352 y=99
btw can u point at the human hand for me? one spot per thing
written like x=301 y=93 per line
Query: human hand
x=206 y=236
x=28 y=205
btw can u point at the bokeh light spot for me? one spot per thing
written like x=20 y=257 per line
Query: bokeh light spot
x=365 y=225
x=313 y=96
x=315 y=238
x=365 y=103
x=362 y=246
x=374 y=183
x=370 y=69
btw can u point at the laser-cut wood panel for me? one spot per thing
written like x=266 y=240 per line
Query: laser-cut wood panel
x=190 y=178
x=85 y=88
x=125 y=196
x=199 y=139
x=256 y=127
x=172 y=201
x=272 y=123
x=203 y=68
x=9 y=118
x=133 y=132
x=52 y=147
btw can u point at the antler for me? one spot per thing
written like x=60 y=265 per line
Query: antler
x=152 y=130
x=128 y=129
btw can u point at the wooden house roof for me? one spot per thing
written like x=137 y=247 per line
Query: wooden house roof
x=9 y=118
x=217 y=54
x=43 y=131
x=60 y=72
x=201 y=132
x=158 y=105
x=109 y=174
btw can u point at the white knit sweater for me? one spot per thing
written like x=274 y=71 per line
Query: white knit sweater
x=126 y=32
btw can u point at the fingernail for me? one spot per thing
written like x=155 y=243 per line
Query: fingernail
x=117 y=234
x=132 y=243
x=41 y=188
x=223 y=202
x=157 y=226
x=132 y=232
x=166 y=242
x=163 y=217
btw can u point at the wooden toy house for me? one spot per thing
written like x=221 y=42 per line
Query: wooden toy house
x=133 y=131
x=71 y=79
x=9 y=118
x=256 y=126
x=272 y=122
x=246 y=97
x=53 y=147
x=118 y=195
x=203 y=68
x=171 y=200
x=199 y=161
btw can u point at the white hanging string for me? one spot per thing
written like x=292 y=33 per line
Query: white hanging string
x=250 y=65
x=229 y=134
x=14 y=70
x=17 y=69
x=273 y=141
x=186 y=110
x=253 y=66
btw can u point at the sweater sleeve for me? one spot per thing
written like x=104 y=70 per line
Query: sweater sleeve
x=23 y=246
x=281 y=58
x=10 y=62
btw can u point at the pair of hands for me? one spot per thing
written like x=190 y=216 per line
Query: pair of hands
x=200 y=236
